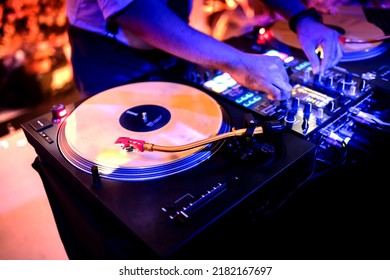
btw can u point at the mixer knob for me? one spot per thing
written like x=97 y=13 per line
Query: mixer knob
x=348 y=78
x=330 y=106
x=307 y=110
x=317 y=79
x=306 y=75
x=206 y=76
x=320 y=115
x=282 y=110
x=283 y=104
x=329 y=82
x=340 y=87
x=290 y=118
x=193 y=76
x=295 y=104
x=362 y=86
x=305 y=126
x=352 y=91
x=348 y=81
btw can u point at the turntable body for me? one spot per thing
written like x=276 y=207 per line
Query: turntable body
x=142 y=214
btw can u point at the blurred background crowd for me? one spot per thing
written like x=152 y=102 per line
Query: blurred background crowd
x=227 y=18
x=34 y=51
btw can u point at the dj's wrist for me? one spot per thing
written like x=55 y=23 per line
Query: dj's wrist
x=308 y=13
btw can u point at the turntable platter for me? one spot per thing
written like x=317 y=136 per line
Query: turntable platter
x=162 y=113
x=350 y=22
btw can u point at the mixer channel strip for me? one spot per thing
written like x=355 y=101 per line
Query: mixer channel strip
x=315 y=99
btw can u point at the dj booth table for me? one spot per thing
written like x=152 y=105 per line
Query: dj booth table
x=341 y=215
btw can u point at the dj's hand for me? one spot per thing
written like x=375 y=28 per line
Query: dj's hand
x=263 y=73
x=311 y=35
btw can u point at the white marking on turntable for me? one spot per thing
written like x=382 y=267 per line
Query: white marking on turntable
x=152 y=123
x=131 y=113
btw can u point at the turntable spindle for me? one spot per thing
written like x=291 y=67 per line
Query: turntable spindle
x=145 y=117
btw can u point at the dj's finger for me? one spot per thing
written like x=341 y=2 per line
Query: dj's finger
x=285 y=95
x=281 y=91
x=332 y=54
x=338 y=54
x=314 y=60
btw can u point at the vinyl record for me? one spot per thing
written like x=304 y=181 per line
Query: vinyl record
x=350 y=23
x=162 y=113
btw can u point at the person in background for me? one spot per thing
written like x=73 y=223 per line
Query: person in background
x=29 y=84
x=117 y=42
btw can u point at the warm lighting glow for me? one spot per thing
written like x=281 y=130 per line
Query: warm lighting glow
x=61 y=76
x=220 y=83
x=262 y=31
x=282 y=55
x=113 y=158
x=263 y=36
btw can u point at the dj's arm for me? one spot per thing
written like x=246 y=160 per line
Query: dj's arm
x=311 y=33
x=153 y=22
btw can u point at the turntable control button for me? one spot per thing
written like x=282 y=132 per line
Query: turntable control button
x=58 y=112
x=96 y=180
x=40 y=124
x=46 y=137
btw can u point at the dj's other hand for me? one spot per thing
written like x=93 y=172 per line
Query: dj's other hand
x=311 y=35
x=263 y=73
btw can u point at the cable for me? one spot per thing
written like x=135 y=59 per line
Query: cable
x=290 y=194
x=315 y=174
x=131 y=145
x=371 y=118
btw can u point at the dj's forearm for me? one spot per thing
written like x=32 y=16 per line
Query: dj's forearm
x=161 y=28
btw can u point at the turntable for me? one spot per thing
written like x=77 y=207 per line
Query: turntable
x=160 y=203
x=361 y=38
